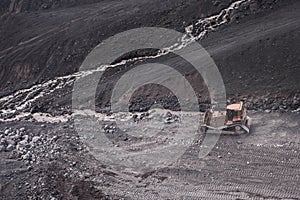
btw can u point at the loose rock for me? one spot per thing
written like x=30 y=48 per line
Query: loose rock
x=10 y=147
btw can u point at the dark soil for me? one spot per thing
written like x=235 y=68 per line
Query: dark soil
x=257 y=54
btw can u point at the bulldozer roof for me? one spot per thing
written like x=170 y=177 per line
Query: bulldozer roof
x=236 y=106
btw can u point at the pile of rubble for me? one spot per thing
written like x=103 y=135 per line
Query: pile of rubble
x=20 y=143
x=171 y=118
x=17 y=139
x=270 y=104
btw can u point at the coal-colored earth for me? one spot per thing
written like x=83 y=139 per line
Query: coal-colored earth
x=44 y=157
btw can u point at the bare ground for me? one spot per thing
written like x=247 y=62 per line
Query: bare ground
x=257 y=56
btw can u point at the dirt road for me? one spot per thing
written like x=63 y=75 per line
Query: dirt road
x=261 y=165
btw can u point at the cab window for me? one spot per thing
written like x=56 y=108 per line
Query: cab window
x=230 y=114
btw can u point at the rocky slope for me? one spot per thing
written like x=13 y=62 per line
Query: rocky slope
x=42 y=156
x=49 y=48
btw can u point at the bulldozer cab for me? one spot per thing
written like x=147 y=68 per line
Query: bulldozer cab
x=235 y=113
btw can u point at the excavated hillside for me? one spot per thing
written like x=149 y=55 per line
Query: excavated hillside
x=43 y=154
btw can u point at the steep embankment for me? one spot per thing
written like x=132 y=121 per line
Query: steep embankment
x=54 y=42
x=53 y=45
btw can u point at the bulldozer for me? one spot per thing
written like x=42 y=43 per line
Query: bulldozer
x=232 y=121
